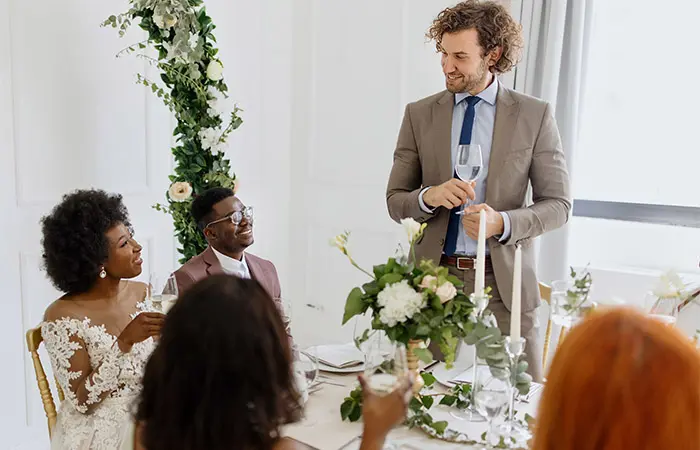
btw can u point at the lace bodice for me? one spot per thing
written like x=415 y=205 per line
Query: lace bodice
x=95 y=405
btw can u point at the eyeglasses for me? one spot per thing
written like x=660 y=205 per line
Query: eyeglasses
x=236 y=217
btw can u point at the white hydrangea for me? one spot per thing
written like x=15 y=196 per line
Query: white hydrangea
x=399 y=302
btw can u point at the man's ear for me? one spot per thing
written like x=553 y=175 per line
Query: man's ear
x=494 y=56
x=209 y=234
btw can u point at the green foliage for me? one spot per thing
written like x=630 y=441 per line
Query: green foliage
x=180 y=33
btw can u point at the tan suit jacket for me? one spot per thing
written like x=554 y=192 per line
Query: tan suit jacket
x=206 y=263
x=526 y=149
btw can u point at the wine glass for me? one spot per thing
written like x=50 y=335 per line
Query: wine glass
x=490 y=403
x=469 y=163
x=306 y=363
x=162 y=291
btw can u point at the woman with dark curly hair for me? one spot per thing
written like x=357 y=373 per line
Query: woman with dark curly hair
x=221 y=377
x=98 y=334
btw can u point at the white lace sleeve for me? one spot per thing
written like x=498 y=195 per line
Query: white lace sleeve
x=85 y=382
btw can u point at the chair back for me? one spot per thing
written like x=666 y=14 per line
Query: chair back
x=546 y=295
x=34 y=339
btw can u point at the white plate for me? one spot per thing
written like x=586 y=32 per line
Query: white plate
x=444 y=376
x=354 y=369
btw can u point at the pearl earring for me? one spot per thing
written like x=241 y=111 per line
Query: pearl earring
x=103 y=274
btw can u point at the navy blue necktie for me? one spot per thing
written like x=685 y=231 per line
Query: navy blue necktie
x=464 y=138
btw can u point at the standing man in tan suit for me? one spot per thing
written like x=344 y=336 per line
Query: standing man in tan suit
x=521 y=148
x=227 y=226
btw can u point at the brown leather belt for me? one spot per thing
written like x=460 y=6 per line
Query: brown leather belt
x=465 y=262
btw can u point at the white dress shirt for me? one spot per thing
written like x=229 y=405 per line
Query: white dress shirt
x=233 y=266
x=482 y=134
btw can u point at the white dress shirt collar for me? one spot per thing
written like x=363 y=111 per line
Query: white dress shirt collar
x=233 y=266
x=488 y=95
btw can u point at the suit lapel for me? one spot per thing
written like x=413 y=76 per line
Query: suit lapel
x=256 y=272
x=212 y=262
x=504 y=126
x=442 y=118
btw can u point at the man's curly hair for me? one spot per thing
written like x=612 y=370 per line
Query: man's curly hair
x=493 y=23
x=74 y=240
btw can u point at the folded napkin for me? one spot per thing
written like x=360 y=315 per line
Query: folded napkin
x=338 y=356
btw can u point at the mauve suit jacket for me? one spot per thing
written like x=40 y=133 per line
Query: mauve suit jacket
x=526 y=150
x=206 y=263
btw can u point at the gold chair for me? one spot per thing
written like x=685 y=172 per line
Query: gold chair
x=34 y=339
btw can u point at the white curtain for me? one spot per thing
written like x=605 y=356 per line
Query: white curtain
x=557 y=35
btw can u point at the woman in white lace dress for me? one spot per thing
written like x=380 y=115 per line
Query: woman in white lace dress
x=98 y=335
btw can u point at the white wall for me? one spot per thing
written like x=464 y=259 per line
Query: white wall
x=72 y=117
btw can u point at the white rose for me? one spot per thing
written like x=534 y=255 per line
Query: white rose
x=180 y=191
x=399 y=302
x=446 y=292
x=159 y=21
x=428 y=282
x=215 y=71
x=412 y=228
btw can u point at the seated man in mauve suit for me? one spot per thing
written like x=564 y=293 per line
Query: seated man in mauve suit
x=228 y=228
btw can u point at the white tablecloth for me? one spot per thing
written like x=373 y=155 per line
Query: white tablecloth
x=323 y=429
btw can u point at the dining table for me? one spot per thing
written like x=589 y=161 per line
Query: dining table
x=322 y=428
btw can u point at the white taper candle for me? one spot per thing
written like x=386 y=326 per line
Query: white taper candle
x=480 y=255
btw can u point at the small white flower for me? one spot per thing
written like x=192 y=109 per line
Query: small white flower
x=399 y=302
x=412 y=228
x=446 y=292
x=473 y=317
x=159 y=21
x=209 y=137
x=669 y=285
x=170 y=21
x=341 y=242
x=429 y=282
x=180 y=191
x=193 y=40
x=215 y=71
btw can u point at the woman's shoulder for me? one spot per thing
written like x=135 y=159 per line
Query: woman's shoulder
x=62 y=308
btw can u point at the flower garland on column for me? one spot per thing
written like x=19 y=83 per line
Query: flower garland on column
x=180 y=44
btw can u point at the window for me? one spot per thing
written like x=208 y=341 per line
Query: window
x=638 y=133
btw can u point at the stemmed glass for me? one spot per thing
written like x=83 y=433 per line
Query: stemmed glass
x=386 y=367
x=469 y=164
x=490 y=403
x=162 y=291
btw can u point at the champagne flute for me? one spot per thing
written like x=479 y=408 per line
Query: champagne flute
x=469 y=164
x=162 y=291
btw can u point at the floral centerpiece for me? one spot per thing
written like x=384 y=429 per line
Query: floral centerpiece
x=414 y=302
x=180 y=43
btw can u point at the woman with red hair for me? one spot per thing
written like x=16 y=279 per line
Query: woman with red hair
x=621 y=380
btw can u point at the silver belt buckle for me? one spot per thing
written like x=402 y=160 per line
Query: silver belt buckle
x=464 y=259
